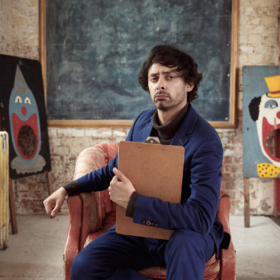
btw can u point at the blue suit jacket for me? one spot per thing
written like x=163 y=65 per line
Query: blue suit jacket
x=201 y=179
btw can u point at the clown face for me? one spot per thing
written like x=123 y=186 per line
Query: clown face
x=265 y=110
x=24 y=121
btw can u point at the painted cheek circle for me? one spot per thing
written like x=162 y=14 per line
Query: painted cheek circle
x=278 y=115
x=23 y=110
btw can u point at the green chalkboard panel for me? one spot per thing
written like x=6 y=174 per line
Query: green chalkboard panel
x=95 y=50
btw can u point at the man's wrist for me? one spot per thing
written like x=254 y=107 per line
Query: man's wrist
x=72 y=188
x=62 y=189
x=131 y=205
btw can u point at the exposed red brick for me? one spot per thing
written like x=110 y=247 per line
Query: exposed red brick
x=237 y=140
x=227 y=159
x=228 y=167
x=227 y=177
x=234 y=168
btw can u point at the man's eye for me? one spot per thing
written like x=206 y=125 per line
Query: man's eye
x=170 y=77
x=153 y=79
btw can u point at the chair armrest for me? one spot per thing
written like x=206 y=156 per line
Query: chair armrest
x=85 y=214
x=227 y=257
x=91 y=220
x=83 y=220
x=72 y=244
x=223 y=210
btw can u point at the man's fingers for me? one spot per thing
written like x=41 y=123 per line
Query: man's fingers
x=55 y=211
x=119 y=175
x=55 y=201
x=48 y=206
x=114 y=180
x=52 y=207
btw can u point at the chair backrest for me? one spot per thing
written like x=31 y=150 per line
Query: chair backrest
x=94 y=158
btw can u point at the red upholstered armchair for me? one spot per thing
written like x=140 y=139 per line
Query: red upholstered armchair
x=91 y=214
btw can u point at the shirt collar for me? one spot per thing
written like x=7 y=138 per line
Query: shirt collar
x=168 y=130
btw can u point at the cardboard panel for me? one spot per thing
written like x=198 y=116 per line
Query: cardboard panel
x=155 y=171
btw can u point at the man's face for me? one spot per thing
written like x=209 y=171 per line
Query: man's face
x=167 y=87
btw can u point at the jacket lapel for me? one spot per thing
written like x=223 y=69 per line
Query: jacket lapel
x=147 y=130
x=181 y=137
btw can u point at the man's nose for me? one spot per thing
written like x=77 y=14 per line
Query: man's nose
x=161 y=84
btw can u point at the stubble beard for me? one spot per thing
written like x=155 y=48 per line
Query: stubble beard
x=165 y=105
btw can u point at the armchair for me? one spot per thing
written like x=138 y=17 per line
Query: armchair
x=91 y=214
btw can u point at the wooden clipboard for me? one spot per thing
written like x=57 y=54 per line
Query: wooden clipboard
x=155 y=171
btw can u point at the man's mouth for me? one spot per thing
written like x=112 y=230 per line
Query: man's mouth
x=267 y=129
x=161 y=95
x=17 y=125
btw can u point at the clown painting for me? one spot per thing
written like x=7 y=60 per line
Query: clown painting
x=261 y=121
x=23 y=111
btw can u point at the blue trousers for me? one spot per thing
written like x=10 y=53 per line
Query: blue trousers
x=112 y=256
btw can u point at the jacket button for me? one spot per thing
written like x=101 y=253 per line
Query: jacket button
x=148 y=223
x=156 y=225
x=143 y=222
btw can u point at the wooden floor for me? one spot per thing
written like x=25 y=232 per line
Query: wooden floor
x=35 y=253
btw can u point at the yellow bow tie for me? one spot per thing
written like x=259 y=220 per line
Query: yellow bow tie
x=268 y=170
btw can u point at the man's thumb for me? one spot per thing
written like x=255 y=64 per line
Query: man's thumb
x=55 y=211
x=119 y=174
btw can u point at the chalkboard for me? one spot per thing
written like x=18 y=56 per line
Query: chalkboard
x=96 y=48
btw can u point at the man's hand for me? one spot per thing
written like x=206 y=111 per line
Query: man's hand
x=120 y=189
x=54 y=201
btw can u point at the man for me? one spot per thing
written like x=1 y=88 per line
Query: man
x=171 y=78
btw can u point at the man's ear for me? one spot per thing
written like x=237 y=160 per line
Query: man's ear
x=189 y=87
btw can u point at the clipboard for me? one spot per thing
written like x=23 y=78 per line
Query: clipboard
x=156 y=171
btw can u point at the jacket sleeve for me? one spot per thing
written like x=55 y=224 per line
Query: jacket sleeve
x=198 y=213
x=100 y=179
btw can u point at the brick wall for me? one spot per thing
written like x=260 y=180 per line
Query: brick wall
x=258 y=28
x=257 y=46
x=19 y=28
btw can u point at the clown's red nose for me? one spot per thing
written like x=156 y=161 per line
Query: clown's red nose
x=278 y=115
x=23 y=110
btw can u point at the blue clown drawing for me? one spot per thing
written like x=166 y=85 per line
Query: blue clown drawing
x=25 y=127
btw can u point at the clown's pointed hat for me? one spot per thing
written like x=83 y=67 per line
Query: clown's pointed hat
x=273 y=84
x=20 y=84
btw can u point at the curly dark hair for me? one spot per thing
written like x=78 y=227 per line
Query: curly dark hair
x=170 y=56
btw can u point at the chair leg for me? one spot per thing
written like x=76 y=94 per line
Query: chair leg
x=12 y=208
x=246 y=202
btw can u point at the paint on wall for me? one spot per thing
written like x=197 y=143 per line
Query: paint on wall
x=261 y=118
x=24 y=116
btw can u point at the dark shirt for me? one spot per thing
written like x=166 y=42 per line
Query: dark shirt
x=166 y=132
